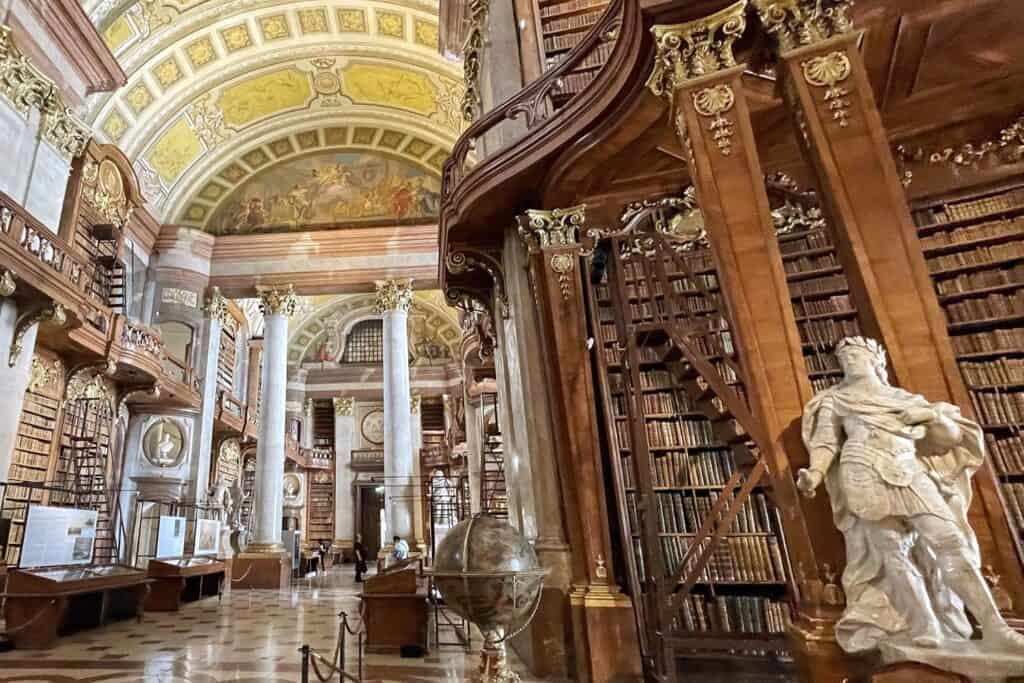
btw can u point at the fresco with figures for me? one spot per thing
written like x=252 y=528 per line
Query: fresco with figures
x=329 y=190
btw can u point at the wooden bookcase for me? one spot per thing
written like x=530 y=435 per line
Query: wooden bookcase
x=664 y=449
x=819 y=291
x=34 y=448
x=226 y=359
x=973 y=243
x=320 y=514
x=564 y=23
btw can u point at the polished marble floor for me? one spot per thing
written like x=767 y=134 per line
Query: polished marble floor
x=250 y=636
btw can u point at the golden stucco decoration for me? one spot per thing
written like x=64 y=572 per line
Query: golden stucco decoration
x=828 y=71
x=796 y=23
x=713 y=102
x=393 y=295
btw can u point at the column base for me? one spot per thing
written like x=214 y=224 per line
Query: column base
x=817 y=655
x=262 y=570
x=605 y=626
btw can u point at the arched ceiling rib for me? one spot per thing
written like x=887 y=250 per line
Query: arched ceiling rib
x=211 y=81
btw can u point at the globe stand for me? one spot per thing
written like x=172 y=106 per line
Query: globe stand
x=494 y=661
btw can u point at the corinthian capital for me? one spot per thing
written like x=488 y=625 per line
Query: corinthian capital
x=796 y=23
x=278 y=301
x=394 y=295
x=216 y=306
x=555 y=228
x=696 y=48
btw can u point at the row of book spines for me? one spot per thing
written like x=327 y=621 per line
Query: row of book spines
x=570 y=5
x=816 y=285
x=647 y=354
x=562 y=23
x=808 y=263
x=1008 y=339
x=813 y=239
x=697 y=260
x=999 y=408
x=840 y=303
x=705 y=468
x=990 y=306
x=1014 y=495
x=821 y=362
x=977 y=256
x=743 y=559
x=732 y=614
x=982 y=279
x=993 y=373
x=1008 y=453
x=684 y=514
x=827 y=331
x=667 y=434
x=970 y=233
x=20 y=472
x=597 y=56
x=971 y=208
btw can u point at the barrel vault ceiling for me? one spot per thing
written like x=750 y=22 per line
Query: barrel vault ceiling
x=224 y=94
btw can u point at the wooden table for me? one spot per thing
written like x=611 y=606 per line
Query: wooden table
x=43 y=604
x=395 y=612
x=186 y=579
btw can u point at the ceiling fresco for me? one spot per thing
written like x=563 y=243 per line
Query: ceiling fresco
x=221 y=89
x=328 y=189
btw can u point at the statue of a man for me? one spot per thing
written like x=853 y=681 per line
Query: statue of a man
x=898 y=472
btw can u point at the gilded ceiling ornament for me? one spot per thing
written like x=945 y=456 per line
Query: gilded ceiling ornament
x=695 y=48
x=44 y=373
x=827 y=71
x=207 y=121
x=216 y=308
x=393 y=295
x=556 y=228
x=796 y=23
x=464 y=261
x=1006 y=147
x=791 y=217
x=274 y=301
x=89 y=383
x=713 y=102
x=53 y=314
x=27 y=88
x=7 y=283
x=472 y=57
x=562 y=265
x=344 y=405
x=103 y=190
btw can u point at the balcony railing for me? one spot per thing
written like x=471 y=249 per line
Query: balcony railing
x=33 y=242
x=318 y=457
x=538 y=102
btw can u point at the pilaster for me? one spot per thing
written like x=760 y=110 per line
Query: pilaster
x=825 y=85
x=209 y=351
x=603 y=622
x=344 y=496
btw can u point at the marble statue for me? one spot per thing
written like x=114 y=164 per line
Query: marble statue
x=898 y=471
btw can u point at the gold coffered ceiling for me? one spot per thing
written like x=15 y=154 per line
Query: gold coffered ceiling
x=214 y=84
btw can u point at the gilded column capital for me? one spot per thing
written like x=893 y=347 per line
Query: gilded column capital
x=54 y=314
x=344 y=405
x=414 y=404
x=7 y=283
x=307 y=407
x=695 y=48
x=394 y=295
x=216 y=306
x=555 y=228
x=274 y=301
x=798 y=23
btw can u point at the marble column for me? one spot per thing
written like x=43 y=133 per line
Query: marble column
x=474 y=439
x=277 y=306
x=417 y=473
x=394 y=297
x=344 y=497
x=216 y=311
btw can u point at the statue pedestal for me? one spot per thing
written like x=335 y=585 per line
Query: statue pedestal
x=966 y=659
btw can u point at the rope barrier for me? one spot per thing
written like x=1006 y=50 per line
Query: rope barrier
x=336 y=664
x=35 y=617
x=242 y=577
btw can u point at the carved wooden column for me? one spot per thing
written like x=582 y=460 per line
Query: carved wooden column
x=825 y=84
x=603 y=622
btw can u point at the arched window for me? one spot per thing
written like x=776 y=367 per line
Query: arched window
x=365 y=343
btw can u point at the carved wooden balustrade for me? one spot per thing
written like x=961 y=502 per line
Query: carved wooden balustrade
x=230 y=414
x=540 y=102
x=317 y=457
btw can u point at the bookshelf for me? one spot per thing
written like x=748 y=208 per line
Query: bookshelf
x=320 y=514
x=973 y=244
x=818 y=289
x=670 y=464
x=563 y=24
x=248 y=488
x=34 y=446
x=226 y=359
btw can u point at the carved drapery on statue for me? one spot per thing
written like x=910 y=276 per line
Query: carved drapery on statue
x=898 y=471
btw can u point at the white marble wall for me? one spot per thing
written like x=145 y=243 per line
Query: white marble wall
x=344 y=496
x=14 y=380
x=32 y=172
